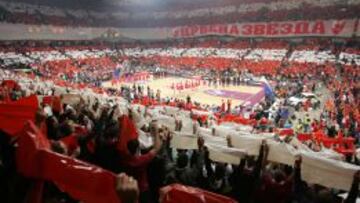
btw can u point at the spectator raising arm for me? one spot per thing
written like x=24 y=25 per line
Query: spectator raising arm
x=127 y=188
x=157 y=138
x=354 y=190
x=258 y=165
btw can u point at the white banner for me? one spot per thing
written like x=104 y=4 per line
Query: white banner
x=334 y=28
x=224 y=154
x=327 y=172
x=179 y=141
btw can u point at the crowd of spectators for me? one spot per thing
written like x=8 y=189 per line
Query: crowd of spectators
x=245 y=12
x=91 y=130
x=268 y=57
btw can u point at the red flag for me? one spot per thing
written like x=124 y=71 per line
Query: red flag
x=178 y=193
x=71 y=143
x=31 y=101
x=30 y=141
x=127 y=132
x=13 y=115
x=80 y=180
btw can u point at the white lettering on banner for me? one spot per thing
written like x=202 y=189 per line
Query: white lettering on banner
x=341 y=28
x=336 y=28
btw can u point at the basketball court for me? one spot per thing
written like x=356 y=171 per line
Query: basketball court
x=204 y=94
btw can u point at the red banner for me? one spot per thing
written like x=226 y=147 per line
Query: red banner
x=180 y=193
x=80 y=180
x=320 y=28
x=341 y=28
x=13 y=115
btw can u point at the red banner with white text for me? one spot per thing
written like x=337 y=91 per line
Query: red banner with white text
x=336 y=28
x=316 y=28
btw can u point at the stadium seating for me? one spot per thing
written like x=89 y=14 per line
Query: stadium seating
x=236 y=11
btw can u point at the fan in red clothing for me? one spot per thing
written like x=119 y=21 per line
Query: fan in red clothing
x=136 y=164
x=127 y=132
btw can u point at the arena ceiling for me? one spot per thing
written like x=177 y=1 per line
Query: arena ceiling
x=133 y=5
x=162 y=5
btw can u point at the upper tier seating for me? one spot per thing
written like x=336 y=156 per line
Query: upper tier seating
x=235 y=12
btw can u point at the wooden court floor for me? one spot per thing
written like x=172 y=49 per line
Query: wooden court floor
x=197 y=94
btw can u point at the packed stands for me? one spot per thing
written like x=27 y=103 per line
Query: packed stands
x=318 y=143
x=15 y=12
x=80 y=122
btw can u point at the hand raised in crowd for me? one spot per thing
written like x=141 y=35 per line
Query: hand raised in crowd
x=357 y=176
x=264 y=146
x=154 y=131
x=229 y=141
x=40 y=117
x=264 y=152
x=298 y=161
x=154 y=128
x=165 y=133
x=354 y=190
x=200 y=142
x=127 y=188
x=130 y=113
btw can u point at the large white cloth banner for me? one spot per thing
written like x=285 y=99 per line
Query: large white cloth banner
x=281 y=153
x=225 y=154
x=224 y=131
x=213 y=140
x=181 y=141
x=251 y=144
x=327 y=172
x=323 y=168
x=166 y=121
x=334 y=28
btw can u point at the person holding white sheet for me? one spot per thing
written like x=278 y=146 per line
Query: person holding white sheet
x=246 y=176
x=305 y=194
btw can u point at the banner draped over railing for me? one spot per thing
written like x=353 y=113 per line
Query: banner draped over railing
x=316 y=28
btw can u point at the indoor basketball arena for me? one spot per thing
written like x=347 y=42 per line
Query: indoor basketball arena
x=191 y=101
